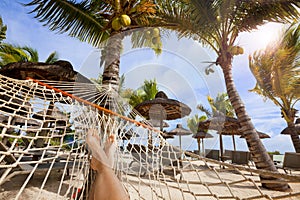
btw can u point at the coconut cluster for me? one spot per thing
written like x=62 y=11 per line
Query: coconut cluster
x=119 y=22
x=154 y=35
x=236 y=50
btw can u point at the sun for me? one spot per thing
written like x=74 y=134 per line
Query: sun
x=266 y=35
x=261 y=37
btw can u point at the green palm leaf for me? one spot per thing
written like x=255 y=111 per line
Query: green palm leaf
x=3 y=30
x=77 y=19
x=277 y=71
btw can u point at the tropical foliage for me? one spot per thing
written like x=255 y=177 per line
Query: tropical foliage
x=193 y=122
x=13 y=53
x=146 y=92
x=221 y=105
x=3 y=29
x=277 y=70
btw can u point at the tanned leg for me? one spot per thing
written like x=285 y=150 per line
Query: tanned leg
x=106 y=186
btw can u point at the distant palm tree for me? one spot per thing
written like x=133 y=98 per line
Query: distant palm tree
x=146 y=92
x=13 y=53
x=277 y=70
x=217 y=24
x=221 y=105
x=193 y=122
x=3 y=29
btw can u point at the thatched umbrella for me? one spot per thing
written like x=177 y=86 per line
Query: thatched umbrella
x=260 y=134
x=56 y=114
x=155 y=123
x=162 y=108
x=58 y=71
x=200 y=137
x=166 y=135
x=225 y=125
x=52 y=117
x=59 y=118
x=180 y=131
x=289 y=130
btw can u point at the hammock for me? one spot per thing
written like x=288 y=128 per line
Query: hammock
x=43 y=153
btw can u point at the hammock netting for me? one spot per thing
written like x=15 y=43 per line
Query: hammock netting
x=43 y=151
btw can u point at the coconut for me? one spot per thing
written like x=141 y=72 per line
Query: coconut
x=240 y=50
x=125 y=20
x=155 y=32
x=148 y=35
x=155 y=40
x=116 y=24
x=233 y=50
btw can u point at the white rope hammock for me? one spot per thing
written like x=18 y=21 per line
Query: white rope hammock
x=43 y=152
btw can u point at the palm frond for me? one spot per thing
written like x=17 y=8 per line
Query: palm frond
x=205 y=110
x=276 y=70
x=193 y=122
x=251 y=13
x=74 y=18
x=32 y=54
x=3 y=29
x=53 y=57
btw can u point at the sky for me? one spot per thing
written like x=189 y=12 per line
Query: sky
x=179 y=71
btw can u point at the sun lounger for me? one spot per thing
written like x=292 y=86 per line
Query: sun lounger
x=227 y=155
x=240 y=157
x=212 y=154
x=171 y=160
x=291 y=161
x=171 y=156
x=142 y=160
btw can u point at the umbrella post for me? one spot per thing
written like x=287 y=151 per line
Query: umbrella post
x=149 y=140
x=199 y=141
x=203 y=147
x=180 y=147
x=233 y=141
x=221 y=146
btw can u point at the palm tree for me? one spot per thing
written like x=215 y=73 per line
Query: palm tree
x=13 y=53
x=3 y=29
x=193 y=122
x=102 y=23
x=220 y=107
x=217 y=24
x=276 y=70
x=146 y=92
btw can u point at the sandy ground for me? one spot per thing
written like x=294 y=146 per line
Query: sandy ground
x=205 y=183
x=197 y=182
x=57 y=186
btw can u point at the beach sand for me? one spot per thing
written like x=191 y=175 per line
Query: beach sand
x=197 y=182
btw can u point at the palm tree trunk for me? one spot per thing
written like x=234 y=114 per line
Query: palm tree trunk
x=111 y=54
x=294 y=136
x=258 y=152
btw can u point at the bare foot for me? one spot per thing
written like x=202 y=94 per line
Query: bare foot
x=110 y=147
x=93 y=141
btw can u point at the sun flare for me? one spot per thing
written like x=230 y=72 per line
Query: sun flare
x=266 y=35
